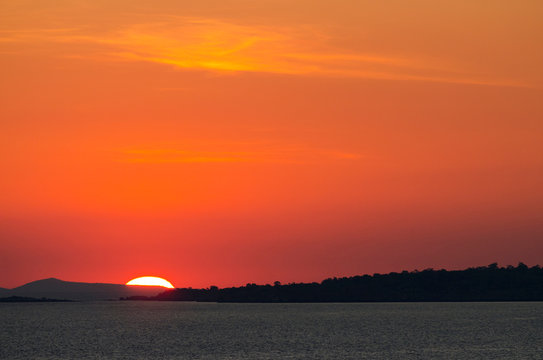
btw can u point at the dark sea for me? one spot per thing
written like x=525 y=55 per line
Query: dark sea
x=184 y=330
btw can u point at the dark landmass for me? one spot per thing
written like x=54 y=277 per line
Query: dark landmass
x=67 y=290
x=29 y=299
x=486 y=283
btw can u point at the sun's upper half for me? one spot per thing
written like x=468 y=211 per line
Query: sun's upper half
x=151 y=281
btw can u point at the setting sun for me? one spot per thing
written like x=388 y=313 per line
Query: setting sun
x=151 y=281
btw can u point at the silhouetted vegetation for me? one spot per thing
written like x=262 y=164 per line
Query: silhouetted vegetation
x=486 y=283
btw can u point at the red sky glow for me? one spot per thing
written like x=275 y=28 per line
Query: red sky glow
x=225 y=142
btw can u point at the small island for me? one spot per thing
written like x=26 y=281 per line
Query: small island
x=18 y=299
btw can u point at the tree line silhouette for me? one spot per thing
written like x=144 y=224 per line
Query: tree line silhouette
x=485 y=283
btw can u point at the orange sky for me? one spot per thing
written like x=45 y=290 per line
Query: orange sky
x=226 y=142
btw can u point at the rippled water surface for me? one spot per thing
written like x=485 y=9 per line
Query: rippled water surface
x=180 y=330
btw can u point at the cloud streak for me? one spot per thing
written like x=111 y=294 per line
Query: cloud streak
x=295 y=155
x=219 y=46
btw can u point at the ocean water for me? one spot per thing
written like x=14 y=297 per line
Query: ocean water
x=182 y=330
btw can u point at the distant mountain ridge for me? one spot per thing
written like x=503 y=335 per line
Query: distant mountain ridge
x=68 y=290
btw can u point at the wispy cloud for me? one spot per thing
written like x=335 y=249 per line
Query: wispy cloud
x=44 y=34
x=215 y=45
x=291 y=154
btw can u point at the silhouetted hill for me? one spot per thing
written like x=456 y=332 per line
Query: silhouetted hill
x=59 y=289
x=487 y=283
